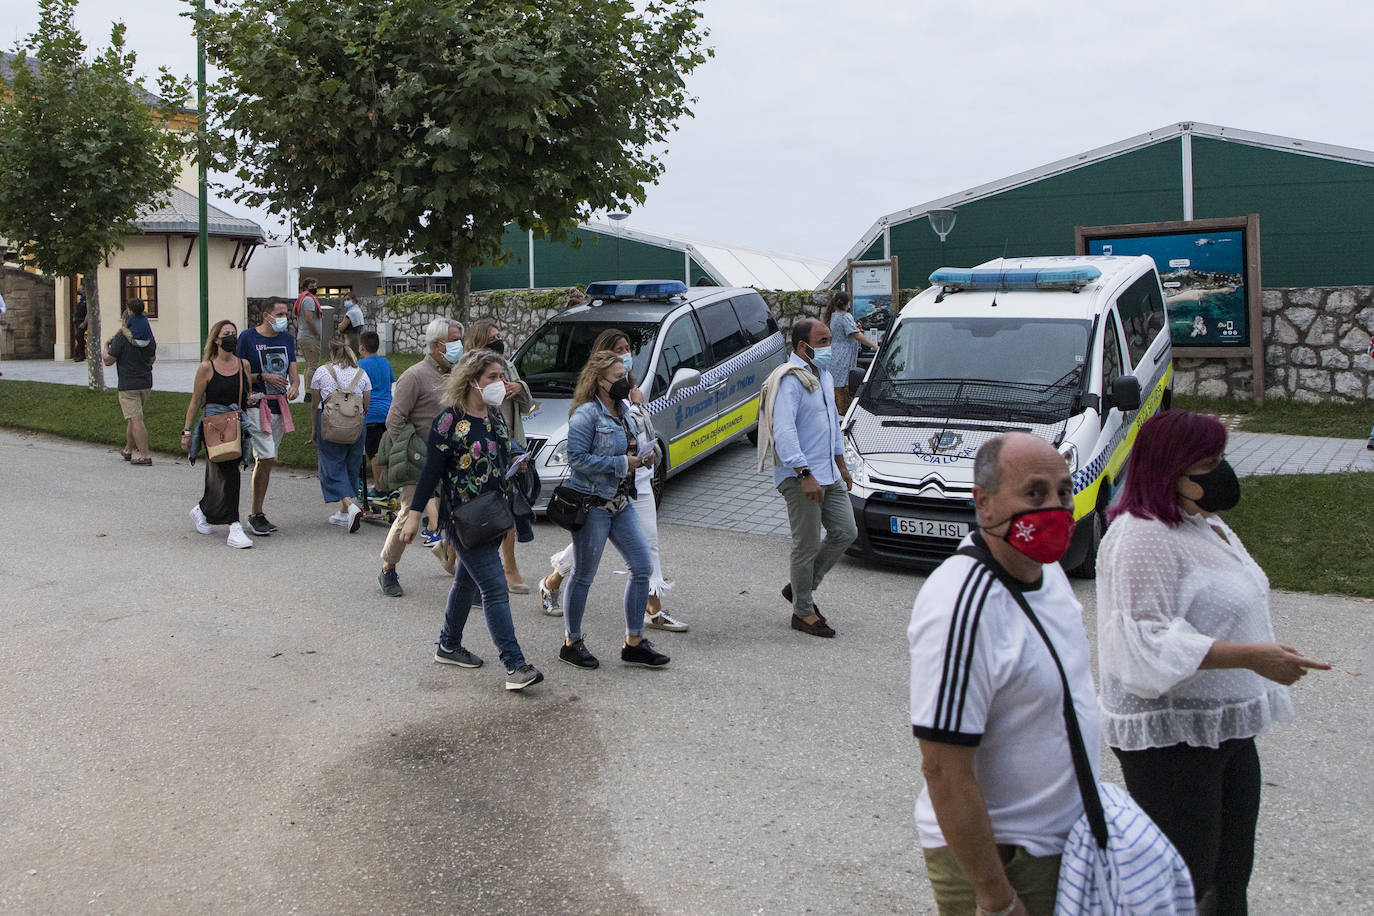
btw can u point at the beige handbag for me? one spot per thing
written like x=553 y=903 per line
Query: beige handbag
x=223 y=435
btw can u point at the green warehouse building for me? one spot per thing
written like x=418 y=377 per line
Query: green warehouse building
x=601 y=251
x=1315 y=203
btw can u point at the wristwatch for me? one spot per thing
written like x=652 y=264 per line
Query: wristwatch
x=804 y=473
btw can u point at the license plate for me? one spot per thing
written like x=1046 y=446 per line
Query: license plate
x=924 y=527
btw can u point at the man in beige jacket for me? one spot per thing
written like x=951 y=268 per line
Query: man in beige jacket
x=415 y=399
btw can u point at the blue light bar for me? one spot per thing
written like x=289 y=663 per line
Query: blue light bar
x=636 y=289
x=996 y=278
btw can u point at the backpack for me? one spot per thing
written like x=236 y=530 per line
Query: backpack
x=342 y=416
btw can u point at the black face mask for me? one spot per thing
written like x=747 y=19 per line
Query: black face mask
x=620 y=389
x=229 y=343
x=497 y=346
x=1220 y=488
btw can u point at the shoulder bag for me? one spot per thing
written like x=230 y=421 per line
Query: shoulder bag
x=1117 y=861
x=223 y=431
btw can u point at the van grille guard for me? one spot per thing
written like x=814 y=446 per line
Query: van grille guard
x=947 y=420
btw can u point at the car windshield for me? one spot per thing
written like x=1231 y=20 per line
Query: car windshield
x=551 y=360
x=1022 y=369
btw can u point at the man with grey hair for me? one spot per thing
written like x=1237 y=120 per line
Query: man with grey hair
x=415 y=402
x=1000 y=792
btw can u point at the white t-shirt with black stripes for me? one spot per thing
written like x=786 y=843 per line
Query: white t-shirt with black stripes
x=981 y=677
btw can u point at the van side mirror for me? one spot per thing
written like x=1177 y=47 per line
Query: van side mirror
x=856 y=381
x=683 y=378
x=1125 y=393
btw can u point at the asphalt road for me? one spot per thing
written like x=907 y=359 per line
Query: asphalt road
x=193 y=728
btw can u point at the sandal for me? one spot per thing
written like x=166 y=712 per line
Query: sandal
x=127 y=456
x=141 y=462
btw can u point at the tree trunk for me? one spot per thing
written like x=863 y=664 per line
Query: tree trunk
x=462 y=287
x=95 y=368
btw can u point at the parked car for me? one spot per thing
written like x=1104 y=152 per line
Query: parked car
x=701 y=355
x=1073 y=349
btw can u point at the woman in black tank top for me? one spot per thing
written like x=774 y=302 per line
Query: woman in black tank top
x=223 y=380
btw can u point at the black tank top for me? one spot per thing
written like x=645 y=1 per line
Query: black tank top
x=226 y=389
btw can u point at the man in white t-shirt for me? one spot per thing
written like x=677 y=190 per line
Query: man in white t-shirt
x=1000 y=793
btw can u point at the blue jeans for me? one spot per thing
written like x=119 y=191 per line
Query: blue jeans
x=622 y=529
x=480 y=570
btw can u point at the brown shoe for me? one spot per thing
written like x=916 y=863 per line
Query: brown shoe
x=819 y=628
x=787 y=596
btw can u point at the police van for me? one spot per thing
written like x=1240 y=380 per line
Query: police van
x=1075 y=350
x=701 y=355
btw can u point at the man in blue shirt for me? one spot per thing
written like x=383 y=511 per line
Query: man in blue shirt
x=271 y=355
x=810 y=472
x=379 y=371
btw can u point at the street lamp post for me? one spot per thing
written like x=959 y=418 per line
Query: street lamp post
x=618 y=217
x=203 y=202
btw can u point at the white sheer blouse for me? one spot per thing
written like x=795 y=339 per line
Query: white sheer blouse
x=1164 y=594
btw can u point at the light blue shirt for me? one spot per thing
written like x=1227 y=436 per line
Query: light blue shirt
x=806 y=428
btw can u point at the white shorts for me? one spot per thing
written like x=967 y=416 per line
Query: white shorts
x=265 y=442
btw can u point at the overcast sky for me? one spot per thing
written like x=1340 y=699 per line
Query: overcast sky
x=817 y=117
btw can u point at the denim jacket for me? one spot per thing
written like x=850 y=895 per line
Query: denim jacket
x=597 y=448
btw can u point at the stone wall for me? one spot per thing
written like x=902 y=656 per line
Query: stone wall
x=1316 y=349
x=27 y=329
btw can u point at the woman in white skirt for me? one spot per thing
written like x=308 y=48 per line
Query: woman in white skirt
x=551 y=586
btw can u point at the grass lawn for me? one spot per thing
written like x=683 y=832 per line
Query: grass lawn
x=79 y=413
x=1339 y=421
x=1308 y=532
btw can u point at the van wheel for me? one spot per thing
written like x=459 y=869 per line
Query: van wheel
x=753 y=435
x=1087 y=566
x=660 y=475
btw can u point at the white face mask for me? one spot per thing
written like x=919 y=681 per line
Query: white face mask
x=493 y=394
x=279 y=324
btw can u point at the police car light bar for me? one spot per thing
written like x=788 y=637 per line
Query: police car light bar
x=995 y=278
x=636 y=289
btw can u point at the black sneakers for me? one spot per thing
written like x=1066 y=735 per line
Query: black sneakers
x=456 y=656
x=643 y=654
x=259 y=525
x=522 y=677
x=577 y=655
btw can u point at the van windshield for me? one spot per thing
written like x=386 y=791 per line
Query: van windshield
x=553 y=357
x=1019 y=369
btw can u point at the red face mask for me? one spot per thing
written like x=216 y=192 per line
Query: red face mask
x=1041 y=534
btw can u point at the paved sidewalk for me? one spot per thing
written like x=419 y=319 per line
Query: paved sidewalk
x=168 y=374
x=726 y=493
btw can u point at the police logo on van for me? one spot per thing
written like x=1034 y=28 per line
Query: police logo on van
x=941 y=442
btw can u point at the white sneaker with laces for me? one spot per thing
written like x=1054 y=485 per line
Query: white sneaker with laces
x=340 y=519
x=354 y=518
x=198 y=517
x=237 y=538
x=662 y=621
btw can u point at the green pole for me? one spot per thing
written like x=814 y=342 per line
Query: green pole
x=200 y=166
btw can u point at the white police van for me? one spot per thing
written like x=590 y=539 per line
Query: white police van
x=1075 y=350
x=701 y=355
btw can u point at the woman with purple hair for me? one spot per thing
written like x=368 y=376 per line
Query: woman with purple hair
x=1188 y=667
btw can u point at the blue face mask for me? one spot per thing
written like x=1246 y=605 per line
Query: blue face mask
x=279 y=324
x=629 y=360
x=453 y=351
x=820 y=358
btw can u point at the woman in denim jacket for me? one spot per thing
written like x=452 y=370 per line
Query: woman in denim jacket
x=603 y=454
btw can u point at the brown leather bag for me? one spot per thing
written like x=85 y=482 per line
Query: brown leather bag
x=224 y=435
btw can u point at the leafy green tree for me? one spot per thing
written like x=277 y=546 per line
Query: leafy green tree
x=425 y=126
x=83 y=150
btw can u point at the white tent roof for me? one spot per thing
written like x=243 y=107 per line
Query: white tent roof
x=733 y=265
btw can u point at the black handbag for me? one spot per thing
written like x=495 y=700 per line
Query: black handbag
x=483 y=520
x=568 y=507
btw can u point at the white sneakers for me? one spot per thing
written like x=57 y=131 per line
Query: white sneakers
x=198 y=517
x=352 y=519
x=237 y=538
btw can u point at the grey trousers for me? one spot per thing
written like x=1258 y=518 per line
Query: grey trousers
x=812 y=557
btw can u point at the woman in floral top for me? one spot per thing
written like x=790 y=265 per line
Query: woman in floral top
x=470 y=452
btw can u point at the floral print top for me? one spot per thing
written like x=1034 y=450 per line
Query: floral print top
x=467 y=456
